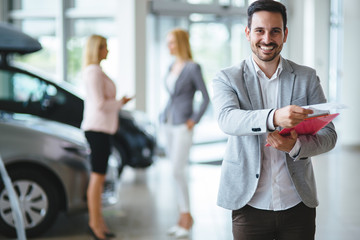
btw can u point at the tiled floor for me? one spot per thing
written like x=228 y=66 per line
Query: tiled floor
x=147 y=204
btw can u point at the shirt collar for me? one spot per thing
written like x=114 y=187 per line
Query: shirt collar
x=262 y=74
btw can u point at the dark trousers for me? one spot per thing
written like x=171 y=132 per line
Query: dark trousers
x=296 y=223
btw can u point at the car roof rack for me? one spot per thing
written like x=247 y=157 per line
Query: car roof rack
x=12 y=40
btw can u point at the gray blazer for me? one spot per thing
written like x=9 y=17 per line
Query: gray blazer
x=240 y=113
x=180 y=105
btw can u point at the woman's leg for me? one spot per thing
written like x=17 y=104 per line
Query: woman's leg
x=94 y=192
x=100 y=150
x=180 y=151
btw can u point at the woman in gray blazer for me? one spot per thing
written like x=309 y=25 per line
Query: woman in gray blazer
x=183 y=80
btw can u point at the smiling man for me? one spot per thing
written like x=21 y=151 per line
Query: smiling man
x=270 y=190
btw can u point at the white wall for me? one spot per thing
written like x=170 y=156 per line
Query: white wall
x=349 y=127
x=308 y=39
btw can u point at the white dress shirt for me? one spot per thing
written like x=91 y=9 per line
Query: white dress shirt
x=171 y=81
x=275 y=190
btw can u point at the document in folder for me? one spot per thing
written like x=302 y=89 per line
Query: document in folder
x=310 y=126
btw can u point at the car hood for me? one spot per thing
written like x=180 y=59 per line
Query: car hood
x=38 y=124
x=13 y=40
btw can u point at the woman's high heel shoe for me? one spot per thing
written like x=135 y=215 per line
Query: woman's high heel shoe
x=182 y=233
x=173 y=230
x=94 y=235
x=110 y=235
x=179 y=232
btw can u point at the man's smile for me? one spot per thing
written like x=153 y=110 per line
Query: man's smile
x=267 y=49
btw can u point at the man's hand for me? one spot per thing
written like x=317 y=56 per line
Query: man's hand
x=282 y=143
x=290 y=116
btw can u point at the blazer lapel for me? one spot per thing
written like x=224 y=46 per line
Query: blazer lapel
x=253 y=85
x=287 y=79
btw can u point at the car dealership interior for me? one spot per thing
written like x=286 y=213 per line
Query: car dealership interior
x=139 y=200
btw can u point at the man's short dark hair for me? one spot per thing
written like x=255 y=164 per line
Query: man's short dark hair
x=266 y=5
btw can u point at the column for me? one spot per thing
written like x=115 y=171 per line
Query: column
x=131 y=20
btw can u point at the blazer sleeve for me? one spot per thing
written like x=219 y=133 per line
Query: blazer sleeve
x=200 y=86
x=324 y=140
x=233 y=108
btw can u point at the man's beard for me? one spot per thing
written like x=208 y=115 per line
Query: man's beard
x=267 y=57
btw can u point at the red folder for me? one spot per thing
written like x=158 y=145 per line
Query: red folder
x=310 y=126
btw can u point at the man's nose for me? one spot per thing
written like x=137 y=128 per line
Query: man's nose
x=267 y=37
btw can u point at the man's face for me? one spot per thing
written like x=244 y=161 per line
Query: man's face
x=266 y=36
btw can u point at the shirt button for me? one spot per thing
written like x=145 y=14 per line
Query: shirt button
x=257 y=175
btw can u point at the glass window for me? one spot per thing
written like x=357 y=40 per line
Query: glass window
x=27 y=89
x=20 y=92
x=6 y=87
x=44 y=32
x=196 y=17
x=194 y=1
x=75 y=47
x=238 y=3
x=24 y=93
x=34 y=4
x=83 y=28
x=94 y=4
x=19 y=87
x=199 y=1
x=210 y=46
x=240 y=47
x=224 y=2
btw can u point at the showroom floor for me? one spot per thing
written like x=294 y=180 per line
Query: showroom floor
x=147 y=202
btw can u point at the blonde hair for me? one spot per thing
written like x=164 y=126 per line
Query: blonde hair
x=182 y=42
x=92 y=49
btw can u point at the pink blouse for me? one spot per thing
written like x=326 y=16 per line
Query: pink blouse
x=100 y=107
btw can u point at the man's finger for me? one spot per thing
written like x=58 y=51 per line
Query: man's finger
x=294 y=134
x=300 y=110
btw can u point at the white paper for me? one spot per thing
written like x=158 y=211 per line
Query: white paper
x=324 y=108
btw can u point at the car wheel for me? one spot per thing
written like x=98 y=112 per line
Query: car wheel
x=38 y=200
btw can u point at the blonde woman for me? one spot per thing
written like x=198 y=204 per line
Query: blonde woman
x=100 y=122
x=183 y=80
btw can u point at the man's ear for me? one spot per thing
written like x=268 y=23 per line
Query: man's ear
x=285 y=34
x=247 y=33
